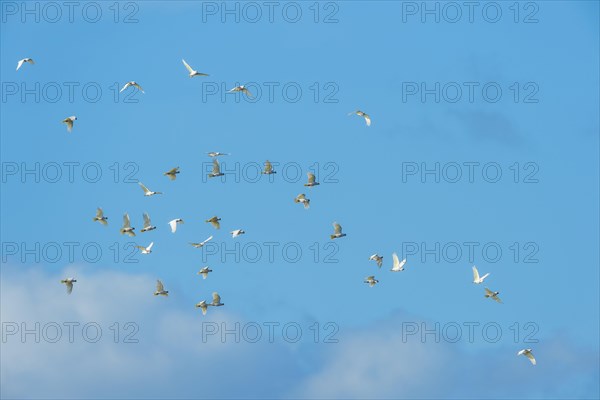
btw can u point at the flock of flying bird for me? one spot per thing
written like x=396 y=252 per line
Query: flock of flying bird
x=397 y=265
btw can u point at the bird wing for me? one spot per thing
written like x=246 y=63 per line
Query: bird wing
x=248 y=93
x=216 y=168
x=485 y=276
x=150 y=246
x=489 y=292
x=187 y=66
x=139 y=87
x=337 y=228
x=99 y=213
x=20 y=64
x=475 y=274
x=125 y=87
x=531 y=357
x=144 y=188
x=173 y=225
x=146 y=220
x=172 y=171
x=126 y=222
x=497 y=298
x=208 y=239
x=395 y=261
x=159 y=286
x=301 y=197
x=367 y=119
x=216 y=298
x=69 y=286
x=311 y=177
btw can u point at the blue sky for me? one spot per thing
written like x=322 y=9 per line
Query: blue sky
x=366 y=60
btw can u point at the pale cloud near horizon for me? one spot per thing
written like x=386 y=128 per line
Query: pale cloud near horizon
x=171 y=360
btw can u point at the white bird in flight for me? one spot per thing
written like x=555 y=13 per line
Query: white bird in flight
x=160 y=289
x=337 y=231
x=268 y=168
x=237 y=233
x=172 y=173
x=69 y=121
x=527 y=353
x=301 y=198
x=397 y=265
x=100 y=217
x=492 y=295
x=216 y=170
x=476 y=278
x=25 y=60
x=216 y=154
x=214 y=221
x=134 y=84
x=147 y=224
x=203 y=306
x=201 y=244
x=69 y=283
x=371 y=280
x=173 y=224
x=127 y=226
x=146 y=250
x=204 y=272
x=362 y=114
x=377 y=258
x=311 y=180
x=147 y=192
x=192 y=71
x=242 y=89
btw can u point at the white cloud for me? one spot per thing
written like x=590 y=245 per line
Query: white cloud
x=172 y=361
